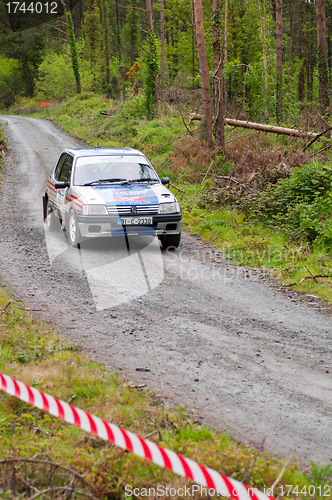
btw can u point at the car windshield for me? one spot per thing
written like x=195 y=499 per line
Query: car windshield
x=112 y=169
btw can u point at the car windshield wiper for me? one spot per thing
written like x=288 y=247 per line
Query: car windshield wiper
x=141 y=180
x=100 y=181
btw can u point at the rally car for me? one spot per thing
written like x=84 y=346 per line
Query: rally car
x=103 y=192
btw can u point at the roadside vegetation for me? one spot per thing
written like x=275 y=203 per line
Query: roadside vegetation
x=3 y=146
x=33 y=443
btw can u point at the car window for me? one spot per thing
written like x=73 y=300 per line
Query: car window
x=66 y=169
x=59 y=166
x=105 y=167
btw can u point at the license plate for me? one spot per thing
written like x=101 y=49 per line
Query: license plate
x=136 y=221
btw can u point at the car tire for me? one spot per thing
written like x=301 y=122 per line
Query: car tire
x=170 y=241
x=73 y=231
x=52 y=221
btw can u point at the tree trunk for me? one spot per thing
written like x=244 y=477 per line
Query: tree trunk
x=218 y=98
x=311 y=66
x=106 y=55
x=262 y=126
x=73 y=51
x=149 y=15
x=290 y=58
x=118 y=28
x=204 y=71
x=193 y=42
x=279 y=58
x=300 y=55
x=162 y=43
x=266 y=89
x=152 y=91
x=323 y=69
x=226 y=57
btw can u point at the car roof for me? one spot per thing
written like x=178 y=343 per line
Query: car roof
x=98 y=151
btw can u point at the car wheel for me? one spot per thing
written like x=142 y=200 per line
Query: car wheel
x=170 y=241
x=52 y=221
x=73 y=231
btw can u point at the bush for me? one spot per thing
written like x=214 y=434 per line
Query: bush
x=301 y=204
x=56 y=77
x=10 y=79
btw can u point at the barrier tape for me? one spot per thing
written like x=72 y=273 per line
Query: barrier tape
x=185 y=467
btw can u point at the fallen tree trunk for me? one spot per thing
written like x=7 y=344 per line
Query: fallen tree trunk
x=261 y=126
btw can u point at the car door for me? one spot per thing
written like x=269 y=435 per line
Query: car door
x=54 y=177
x=65 y=176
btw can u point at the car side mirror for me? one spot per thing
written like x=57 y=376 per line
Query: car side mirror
x=165 y=180
x=61 y=185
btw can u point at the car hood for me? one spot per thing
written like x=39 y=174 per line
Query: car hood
x=125 y=195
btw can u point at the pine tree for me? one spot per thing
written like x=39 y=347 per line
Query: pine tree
x=73 y=51
x=93 y=41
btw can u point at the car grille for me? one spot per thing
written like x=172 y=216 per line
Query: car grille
x=126 y=209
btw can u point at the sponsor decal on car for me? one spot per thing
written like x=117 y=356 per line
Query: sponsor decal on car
x=139 y=194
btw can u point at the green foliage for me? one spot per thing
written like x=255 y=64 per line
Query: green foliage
x=56 y=79
x=320 y=476
x=133 y=106
x=11 y=82
x=301 y=205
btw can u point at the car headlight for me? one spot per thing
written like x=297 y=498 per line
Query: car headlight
x=169 y=208
x=94 y=210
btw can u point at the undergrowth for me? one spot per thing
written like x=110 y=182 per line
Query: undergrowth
x=253 y=243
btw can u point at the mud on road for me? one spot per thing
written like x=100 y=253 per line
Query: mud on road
x=211 y=337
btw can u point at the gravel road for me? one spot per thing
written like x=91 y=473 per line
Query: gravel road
x=216 y=339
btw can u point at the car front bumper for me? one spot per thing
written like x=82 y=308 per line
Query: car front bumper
x=92 y=226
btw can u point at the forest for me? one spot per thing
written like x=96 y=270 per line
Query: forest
x=274 y=56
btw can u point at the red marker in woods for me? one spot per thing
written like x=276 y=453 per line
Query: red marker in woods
x=44 y=104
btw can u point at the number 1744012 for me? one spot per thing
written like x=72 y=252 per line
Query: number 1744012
x=32 y=8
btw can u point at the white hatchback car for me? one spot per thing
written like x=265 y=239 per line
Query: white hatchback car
x=105 y=192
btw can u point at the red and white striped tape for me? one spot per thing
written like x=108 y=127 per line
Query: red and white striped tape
x=143 y=448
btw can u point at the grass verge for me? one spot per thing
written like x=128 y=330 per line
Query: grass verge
x=37 y=355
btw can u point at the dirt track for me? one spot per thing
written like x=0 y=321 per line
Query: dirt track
x=215 y=339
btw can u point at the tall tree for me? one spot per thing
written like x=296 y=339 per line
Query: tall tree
x=204 y=72
x=193 y=42
x=279 y=58
x=93 y=40
x=149 y=19
x=131 y=39
x=162 y=43
x=226 y=56
x=73 y=51
x=218 y=96
x=105 y=51
x=323 y=68
x=261 y=9
x=301 y=43
x=151 y=81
